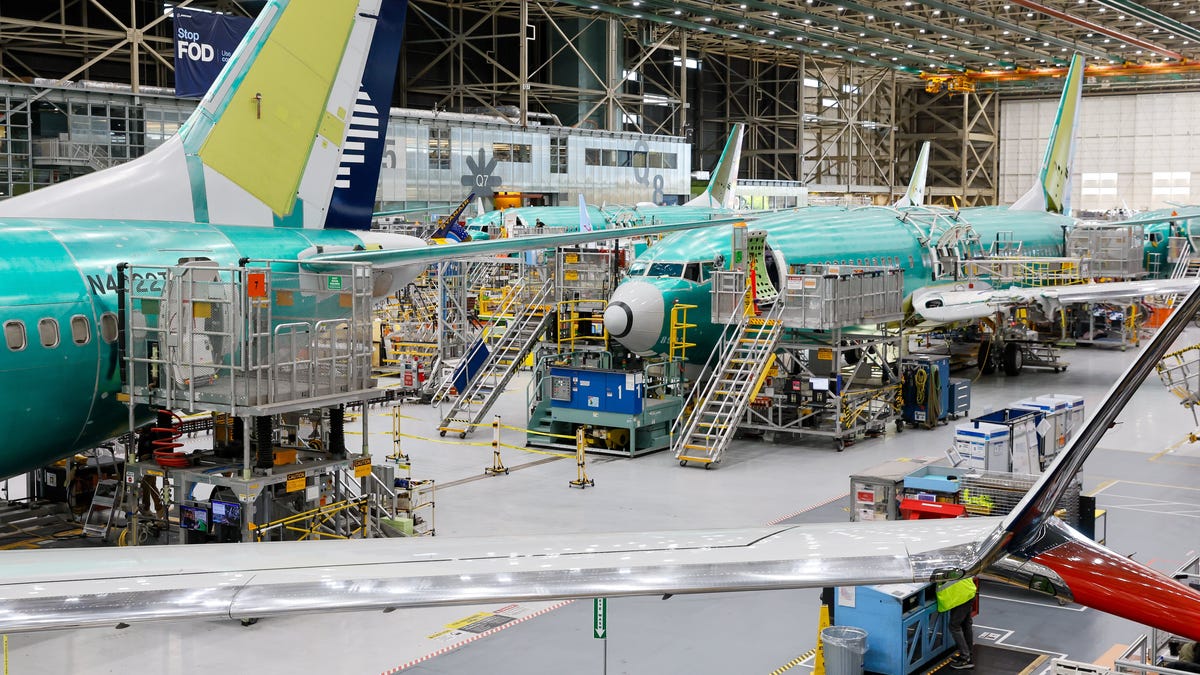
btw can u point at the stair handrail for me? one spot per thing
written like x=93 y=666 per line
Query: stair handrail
x=510 y=336
x=758 y=354
x=479 y=343
x=727 y=342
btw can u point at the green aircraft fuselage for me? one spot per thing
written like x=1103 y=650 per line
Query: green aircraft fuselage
x=63 y=398
x=1157 y=238
x=859 y=236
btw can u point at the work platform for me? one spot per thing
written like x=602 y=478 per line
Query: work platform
x=812 y=357
x=259 y=339
x=274 y=354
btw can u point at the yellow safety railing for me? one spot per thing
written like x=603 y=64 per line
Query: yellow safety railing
x=570 y=331
x=315 y=519
x=494 y=302
x=678 y=345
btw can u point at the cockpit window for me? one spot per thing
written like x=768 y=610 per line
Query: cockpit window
x=638 y=269
x=706 y=270
x=665 y=269
x=691 y=272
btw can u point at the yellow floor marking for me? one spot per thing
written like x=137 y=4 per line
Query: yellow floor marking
x=469 y=620
x=794 y=662
x=1102 y=487
x=1158 y=485
x=1028 y=670
x=26 y=544
x=1170 y=448
x=1109 y=658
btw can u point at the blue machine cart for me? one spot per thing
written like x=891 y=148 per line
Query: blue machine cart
x=905 y=631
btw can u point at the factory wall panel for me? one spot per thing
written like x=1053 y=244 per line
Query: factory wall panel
x=1137 y=151
x=442 y=159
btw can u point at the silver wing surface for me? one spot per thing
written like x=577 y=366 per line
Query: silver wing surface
x=383 y=259
x=949 y=305
x=65 y=588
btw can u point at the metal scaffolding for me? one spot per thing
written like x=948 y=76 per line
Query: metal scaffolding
x=963 y=130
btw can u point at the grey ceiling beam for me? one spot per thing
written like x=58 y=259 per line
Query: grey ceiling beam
x=844 y=41
x=716 y=30
x=1082 y=48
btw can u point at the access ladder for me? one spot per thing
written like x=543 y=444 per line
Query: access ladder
x=510 y=307
x=485 y=387
x=1186 y=267
x=741 y=365
x=99 y=517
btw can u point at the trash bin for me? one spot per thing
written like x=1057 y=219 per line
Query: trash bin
x=844 y=649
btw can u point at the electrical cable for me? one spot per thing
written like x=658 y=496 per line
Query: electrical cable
x=167 y=439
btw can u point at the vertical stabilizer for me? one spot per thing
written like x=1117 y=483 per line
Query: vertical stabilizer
x=722 y=186
x=1055 y=555
x=585 y=219
x=263 y=146
x=1052 y=192
x=915 y=195
x=357 y=182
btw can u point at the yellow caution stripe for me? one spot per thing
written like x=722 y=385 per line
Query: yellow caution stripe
x=795 y=662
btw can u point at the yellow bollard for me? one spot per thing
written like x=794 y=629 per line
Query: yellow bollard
x=581 y=480
x=397 y=455
x=497 y=466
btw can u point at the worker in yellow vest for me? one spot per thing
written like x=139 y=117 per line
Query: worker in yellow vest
x=956 y=598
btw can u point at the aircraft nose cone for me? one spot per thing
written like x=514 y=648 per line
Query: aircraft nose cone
x=634 y=316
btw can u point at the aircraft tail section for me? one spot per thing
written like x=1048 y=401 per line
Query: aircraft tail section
x=1052 y=192
x=264 y=145
x=585 y=219
x=1087 y=571
x=357 y=180
x=722 y=186
x=915 y=195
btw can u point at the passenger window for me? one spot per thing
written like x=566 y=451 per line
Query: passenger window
x=81 y=330
x=14 y=335
x=48 y=333
x=108 y=327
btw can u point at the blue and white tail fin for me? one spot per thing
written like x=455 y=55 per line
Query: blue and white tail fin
x=722 y=186
x=1052 y=192
x=915 y=194
x=357 y=181
x=263 y=146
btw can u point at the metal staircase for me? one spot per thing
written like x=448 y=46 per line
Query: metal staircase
x=511 y=306
x=1188 y=266
x=742 y=362
x=481 y=392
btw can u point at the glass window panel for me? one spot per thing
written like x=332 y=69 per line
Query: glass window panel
x=108 y=327
x=81 y=330
x=14 y=335
x=48 y=333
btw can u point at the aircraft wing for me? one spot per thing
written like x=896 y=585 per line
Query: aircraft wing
x=67 y=588
x=1180 y=213
x=947 y=306
x=384 y=258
